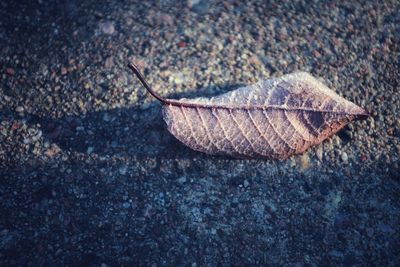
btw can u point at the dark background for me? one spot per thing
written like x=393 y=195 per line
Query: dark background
x=89 y=176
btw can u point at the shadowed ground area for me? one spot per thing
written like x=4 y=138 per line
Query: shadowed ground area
x=91 y=177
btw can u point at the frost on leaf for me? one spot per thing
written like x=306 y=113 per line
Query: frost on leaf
x=273 y=118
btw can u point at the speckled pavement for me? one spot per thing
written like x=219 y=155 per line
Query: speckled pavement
x=89 y=175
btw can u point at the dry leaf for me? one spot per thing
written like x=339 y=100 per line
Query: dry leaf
x=273 y=118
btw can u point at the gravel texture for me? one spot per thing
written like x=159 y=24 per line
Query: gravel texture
x=91 y=177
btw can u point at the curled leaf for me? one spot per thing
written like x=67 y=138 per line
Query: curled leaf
x=273 y=118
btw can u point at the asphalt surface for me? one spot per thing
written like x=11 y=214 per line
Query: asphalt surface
x=89 y=175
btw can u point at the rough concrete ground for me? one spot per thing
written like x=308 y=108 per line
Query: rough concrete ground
x=90 y=176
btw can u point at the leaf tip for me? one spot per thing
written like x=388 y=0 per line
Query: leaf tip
x=362 y=114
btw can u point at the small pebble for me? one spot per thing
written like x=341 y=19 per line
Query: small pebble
x=192 y=3
x=344 y=157
x=182 y=180
x=123 y=170
x=305 y=162
x=181 y=44
x=10 y=71
x=109 y=62
x=319 y=152
x=52 y=151
x=19 y=109
x=107 y=27
x=63 y=71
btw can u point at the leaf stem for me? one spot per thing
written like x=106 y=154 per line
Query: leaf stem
x=135 y=69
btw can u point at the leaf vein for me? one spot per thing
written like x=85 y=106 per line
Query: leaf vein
x=191 y=128
x=223 y=130
x=243 y=133
x=207 y=130
x=259 y=131
x=276 y=132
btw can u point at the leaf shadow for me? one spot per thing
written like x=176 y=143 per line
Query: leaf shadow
x=122 y=131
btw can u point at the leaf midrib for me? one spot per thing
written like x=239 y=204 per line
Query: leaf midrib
x=252 y=107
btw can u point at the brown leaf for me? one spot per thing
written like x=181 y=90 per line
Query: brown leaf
x=273 y=118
